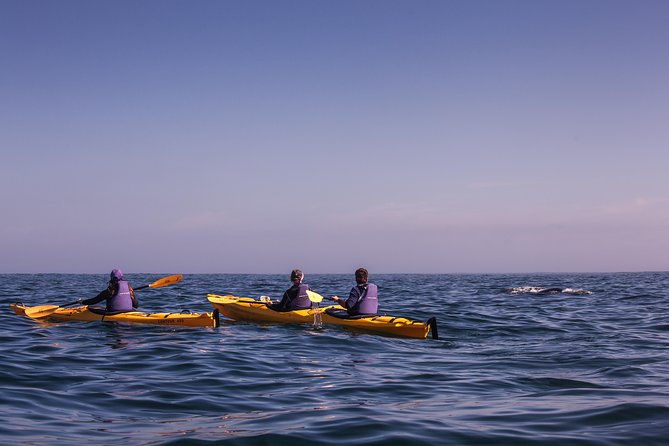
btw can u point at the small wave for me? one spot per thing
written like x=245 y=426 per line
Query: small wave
x=576 y=291
x=548 y=290
x=663 y=327
x=641 y=296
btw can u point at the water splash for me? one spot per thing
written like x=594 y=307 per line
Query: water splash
x=548 y=290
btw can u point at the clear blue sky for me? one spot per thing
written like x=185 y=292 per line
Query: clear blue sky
x=404 y=136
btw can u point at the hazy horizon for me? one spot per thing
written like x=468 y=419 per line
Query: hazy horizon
x=258 y=136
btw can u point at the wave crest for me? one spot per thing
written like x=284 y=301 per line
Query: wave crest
x=548 y=290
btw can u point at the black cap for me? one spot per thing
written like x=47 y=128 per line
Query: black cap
x=361 y=275
x=296 y=274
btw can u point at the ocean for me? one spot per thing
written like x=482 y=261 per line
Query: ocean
x=521 y=359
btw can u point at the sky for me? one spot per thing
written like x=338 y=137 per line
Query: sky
x=472 y=136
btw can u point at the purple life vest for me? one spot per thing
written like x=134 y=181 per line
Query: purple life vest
x=368 y=301
x=121 y=301
x=301 y=300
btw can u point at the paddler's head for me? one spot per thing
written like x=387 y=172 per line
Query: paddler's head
x=296 y=276
x=116 y=275
x=361 y=276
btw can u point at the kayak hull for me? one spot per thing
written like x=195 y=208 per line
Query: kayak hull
x=248 y=309
x=83 y=314
x=395 y=326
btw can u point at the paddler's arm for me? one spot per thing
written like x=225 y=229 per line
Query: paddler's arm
x=339 y=301
x=281 y=304
x=135 y=302
x=353 y=297
x=99 y=298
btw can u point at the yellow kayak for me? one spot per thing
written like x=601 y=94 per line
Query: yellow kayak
x=391 y=325
x=248 y=309
x=84 y=314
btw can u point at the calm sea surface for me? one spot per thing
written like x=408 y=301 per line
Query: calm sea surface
x=513 y=366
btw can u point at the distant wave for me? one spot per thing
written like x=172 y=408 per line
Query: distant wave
x=548 y=290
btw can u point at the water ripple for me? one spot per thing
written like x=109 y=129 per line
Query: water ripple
x=511 y=368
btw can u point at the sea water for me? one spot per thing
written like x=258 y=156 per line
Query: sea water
x=586 y=363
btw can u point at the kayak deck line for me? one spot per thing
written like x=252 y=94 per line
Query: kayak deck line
x=249 y=309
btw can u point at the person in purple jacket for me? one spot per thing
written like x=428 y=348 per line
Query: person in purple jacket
x=295 y=297
x=363 y=298
x=119 y=294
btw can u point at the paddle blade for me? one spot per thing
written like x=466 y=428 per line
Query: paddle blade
x=40 y=311
x=170 y=280
x=314 y=297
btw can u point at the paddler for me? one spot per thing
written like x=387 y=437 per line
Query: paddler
x=295 y=297
x=363 y=297
x=119 y=294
